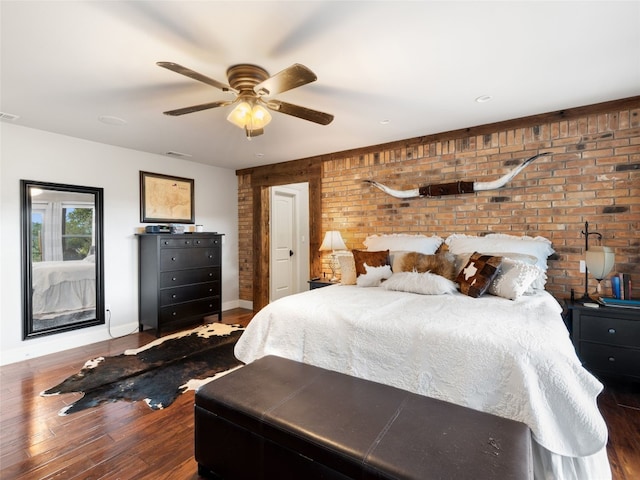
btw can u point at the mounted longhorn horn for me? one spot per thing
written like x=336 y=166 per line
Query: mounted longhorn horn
x=455 y=187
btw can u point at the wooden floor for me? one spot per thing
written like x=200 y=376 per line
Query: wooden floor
x=130 y=441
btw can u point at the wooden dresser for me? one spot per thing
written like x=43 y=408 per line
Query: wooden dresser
x=607 y=339
x=179 y=279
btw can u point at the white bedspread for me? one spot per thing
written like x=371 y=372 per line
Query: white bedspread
x=509 y=358
x=63 y=286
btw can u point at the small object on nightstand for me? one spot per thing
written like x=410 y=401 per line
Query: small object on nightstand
x=591 y=305
x=317 y=283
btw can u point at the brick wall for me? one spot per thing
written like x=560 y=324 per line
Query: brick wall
x=592 y=175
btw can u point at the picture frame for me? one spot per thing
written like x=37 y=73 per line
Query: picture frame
x=166 y=199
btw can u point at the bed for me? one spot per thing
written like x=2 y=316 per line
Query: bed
x=508 y=356
x=63 y=286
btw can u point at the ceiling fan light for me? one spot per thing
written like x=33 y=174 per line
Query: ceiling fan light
x=251 y=118
x=260 y=117
x=240 y=115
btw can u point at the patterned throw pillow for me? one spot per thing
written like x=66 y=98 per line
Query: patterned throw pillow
x=374 y=276
x=476 y=277
x=373 y=259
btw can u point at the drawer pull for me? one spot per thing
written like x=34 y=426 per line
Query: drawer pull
x=166 y=242
x=612 y=331
x=174 y=313
x=173 y=279
x=198 y=242
x=174 y=295
x=612 y=359
x=173 y=259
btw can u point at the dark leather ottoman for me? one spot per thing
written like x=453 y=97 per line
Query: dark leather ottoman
x=280 y=419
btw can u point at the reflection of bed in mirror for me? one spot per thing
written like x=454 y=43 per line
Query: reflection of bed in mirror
x=64 y=290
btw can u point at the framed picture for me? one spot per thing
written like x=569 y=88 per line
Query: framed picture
x=166 y=199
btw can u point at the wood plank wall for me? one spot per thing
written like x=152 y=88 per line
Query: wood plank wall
x=593 y=175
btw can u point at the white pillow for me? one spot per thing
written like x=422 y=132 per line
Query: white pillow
x=514 y=279
x=347 y=269
x=539 y=247
x=403 y=242
x=374 y=276
x=422 y=283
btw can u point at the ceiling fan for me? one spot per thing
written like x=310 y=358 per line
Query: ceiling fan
x=254 y=88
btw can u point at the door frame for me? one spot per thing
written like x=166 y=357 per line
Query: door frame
x=297 y=171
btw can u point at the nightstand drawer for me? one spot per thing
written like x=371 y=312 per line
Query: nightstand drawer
x=613 y=331
x=610 y=359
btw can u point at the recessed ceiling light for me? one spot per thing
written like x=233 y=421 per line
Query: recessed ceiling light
x=483 y=98
x=259 y=155
x=111 y=120
x=385 y=122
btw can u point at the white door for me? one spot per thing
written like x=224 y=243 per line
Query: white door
x=289 y=248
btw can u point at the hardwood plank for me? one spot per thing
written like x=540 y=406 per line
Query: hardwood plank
x=128 y=441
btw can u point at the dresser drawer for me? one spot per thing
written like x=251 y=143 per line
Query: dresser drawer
x=610 y=359
x=206 y=242
x=176 y=242
x=187 y=293
x=191 y=309
x=179 y=258
x=186 y=277
x=613 y=331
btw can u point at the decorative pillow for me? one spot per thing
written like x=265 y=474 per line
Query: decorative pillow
x=374 y=276
x=440 y=263
x=347 y=269
x=476 y=277
x=514 y=278
x=462 y=258
x=403 y=242
x=539 y=247
x=422 y=283
x=395 y=259
x=373 y=259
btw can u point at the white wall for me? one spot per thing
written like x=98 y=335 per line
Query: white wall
x=37 y=155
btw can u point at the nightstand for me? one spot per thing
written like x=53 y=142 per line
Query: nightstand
x=320 y=283
x=607 y=339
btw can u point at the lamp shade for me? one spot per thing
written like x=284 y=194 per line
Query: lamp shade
x=332 y=241
x=600 y=261
x=251 y=117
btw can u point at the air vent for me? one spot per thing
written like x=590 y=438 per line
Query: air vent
x=178 y=154
x=8 y=117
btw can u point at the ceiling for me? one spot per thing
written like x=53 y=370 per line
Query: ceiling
x=387 y=70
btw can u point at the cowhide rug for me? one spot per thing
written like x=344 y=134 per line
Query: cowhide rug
x=156 y=373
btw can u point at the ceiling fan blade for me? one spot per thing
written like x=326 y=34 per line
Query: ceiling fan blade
x=294 y=76
x=174 y=67
x=196 y=108
x=300 y=112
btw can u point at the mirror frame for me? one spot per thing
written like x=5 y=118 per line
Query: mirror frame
x=27 y=271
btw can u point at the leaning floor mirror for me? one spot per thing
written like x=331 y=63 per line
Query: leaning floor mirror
x=62 y=257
